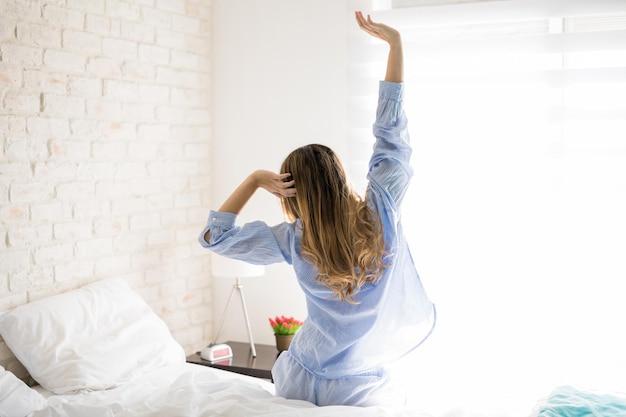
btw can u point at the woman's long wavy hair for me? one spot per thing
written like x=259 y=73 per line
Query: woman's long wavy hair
x=341 y=235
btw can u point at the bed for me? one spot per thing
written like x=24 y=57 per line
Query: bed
x=100 y=351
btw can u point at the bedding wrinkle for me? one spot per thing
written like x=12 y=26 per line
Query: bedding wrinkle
x=188 y=390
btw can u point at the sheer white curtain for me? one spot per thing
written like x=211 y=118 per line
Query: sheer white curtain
x=517 y=212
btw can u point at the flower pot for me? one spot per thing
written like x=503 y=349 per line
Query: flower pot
x=283 y=341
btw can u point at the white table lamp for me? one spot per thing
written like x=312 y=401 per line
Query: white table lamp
x=222 y=267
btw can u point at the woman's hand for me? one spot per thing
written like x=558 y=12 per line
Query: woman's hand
x=378 y=30
x=270 y=181
x=276 y=184
x=395 y=61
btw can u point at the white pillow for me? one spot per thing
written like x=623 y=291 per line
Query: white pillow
x=16 y=398
x=97 y=337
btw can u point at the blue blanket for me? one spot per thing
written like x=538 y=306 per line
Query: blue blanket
x=567 y=401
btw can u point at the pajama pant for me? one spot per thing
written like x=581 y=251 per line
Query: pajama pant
x=293 y=381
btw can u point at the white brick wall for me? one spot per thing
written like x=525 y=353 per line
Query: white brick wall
x=104 y=150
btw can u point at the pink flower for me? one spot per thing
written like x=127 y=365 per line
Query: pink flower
x=283 y=325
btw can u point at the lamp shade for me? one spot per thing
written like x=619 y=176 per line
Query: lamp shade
x=228 y=268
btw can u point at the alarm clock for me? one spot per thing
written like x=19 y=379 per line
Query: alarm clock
x=216 y=352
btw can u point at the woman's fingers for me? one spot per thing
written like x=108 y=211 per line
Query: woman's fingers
x=284 y=192
x=363 y=24
x=280 y=178
x=287 y=188
x=366 y=24
x=277 y=185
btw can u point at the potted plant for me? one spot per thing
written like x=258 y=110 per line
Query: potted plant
x=284 y=330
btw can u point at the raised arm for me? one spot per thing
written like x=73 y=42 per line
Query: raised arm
x=395 y=60
x=389 y=170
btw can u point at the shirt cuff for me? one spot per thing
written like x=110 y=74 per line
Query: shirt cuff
x=221 y=219
x=389 y=90
x=218 y=221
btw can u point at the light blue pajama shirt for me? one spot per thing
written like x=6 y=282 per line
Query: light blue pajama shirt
x=339 y=356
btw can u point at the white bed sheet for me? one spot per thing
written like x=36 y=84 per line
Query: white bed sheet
x=194 y=390
x=188 y=390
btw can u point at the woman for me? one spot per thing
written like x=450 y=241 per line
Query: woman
x=365 y=302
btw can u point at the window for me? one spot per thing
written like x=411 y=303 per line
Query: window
x=516 y=215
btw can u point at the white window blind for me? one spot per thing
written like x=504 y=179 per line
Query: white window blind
x=517 y=212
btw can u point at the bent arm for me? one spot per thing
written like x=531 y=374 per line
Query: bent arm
x=273 y=183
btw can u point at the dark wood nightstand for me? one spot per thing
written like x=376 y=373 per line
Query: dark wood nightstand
x=242 y=361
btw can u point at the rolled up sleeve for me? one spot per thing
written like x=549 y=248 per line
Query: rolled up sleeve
x=254 y=242
x=390 y=171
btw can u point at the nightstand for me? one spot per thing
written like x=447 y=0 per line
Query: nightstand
x=242 y=361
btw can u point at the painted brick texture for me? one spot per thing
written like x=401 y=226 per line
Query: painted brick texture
x=104 y=153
